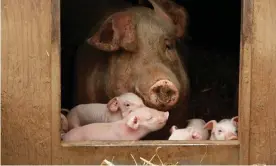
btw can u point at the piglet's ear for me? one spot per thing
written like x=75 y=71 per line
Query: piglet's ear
x=173 y=13
x=210 y=125
x=118 y=31
x=113 y=105
x=133 y=123
x=235 y=120
x=173 y=128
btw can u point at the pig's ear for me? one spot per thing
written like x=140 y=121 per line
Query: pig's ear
x=133 y=123
x=173 y=128
x=235 y=120
x=210 y=125
x=171 y=12
x=118 y=31
x=113 y=105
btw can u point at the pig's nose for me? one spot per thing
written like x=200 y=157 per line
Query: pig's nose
x=164 y=93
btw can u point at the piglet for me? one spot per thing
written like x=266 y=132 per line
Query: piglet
x=137 y=124
x=117 y=108
x=225 y=129
x=194 y=131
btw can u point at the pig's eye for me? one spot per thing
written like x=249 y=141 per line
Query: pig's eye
x=127 y=104
x=219 y=131
x=169 y=46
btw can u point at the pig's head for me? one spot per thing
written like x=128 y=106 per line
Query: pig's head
x=147 y=119
x=143 y=57
x=125 y=103
x=225 y=129
x=184 y=134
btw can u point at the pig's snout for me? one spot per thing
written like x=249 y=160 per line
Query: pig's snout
x=164 y=93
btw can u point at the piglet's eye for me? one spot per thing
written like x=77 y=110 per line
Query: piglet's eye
x=127 y=104
x=219 y=131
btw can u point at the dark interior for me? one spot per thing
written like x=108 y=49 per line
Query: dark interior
x=212 y=51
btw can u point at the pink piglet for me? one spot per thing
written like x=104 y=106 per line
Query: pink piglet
x=225 y=129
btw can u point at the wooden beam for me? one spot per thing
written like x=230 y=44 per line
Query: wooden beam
x=26 y=82
x=262 y=147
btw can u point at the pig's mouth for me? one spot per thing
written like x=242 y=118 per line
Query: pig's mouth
x=162 y=94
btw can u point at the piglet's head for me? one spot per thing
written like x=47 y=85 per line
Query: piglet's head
x=184 y=134
x=146 y=118
x=125 y=103
x=225 y=129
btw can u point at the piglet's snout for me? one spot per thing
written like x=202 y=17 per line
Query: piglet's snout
x=164 y=93
x=231 y=136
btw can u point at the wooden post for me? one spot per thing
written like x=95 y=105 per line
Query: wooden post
x=26 y=82
x=257 y=106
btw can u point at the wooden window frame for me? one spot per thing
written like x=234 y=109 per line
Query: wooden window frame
x=31 y=95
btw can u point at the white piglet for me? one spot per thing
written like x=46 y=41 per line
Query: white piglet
x=194 y=131
x=135 y=125
x=117 y=108
x=225 y=129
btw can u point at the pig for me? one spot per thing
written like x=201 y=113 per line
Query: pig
x=225 y=129
x=114 y=110
x=194 y=131
x=134 y=126
x=134 y=50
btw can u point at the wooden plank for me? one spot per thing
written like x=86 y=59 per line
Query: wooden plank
x=263 y=83
x=149 y=143
x=26 y=82
x=245 y=80
x=200 y=152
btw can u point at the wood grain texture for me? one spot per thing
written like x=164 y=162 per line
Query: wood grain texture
x=183 y=154
x=262 y=148
x=26 y=82
x=245 y=80
x=140 y=143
